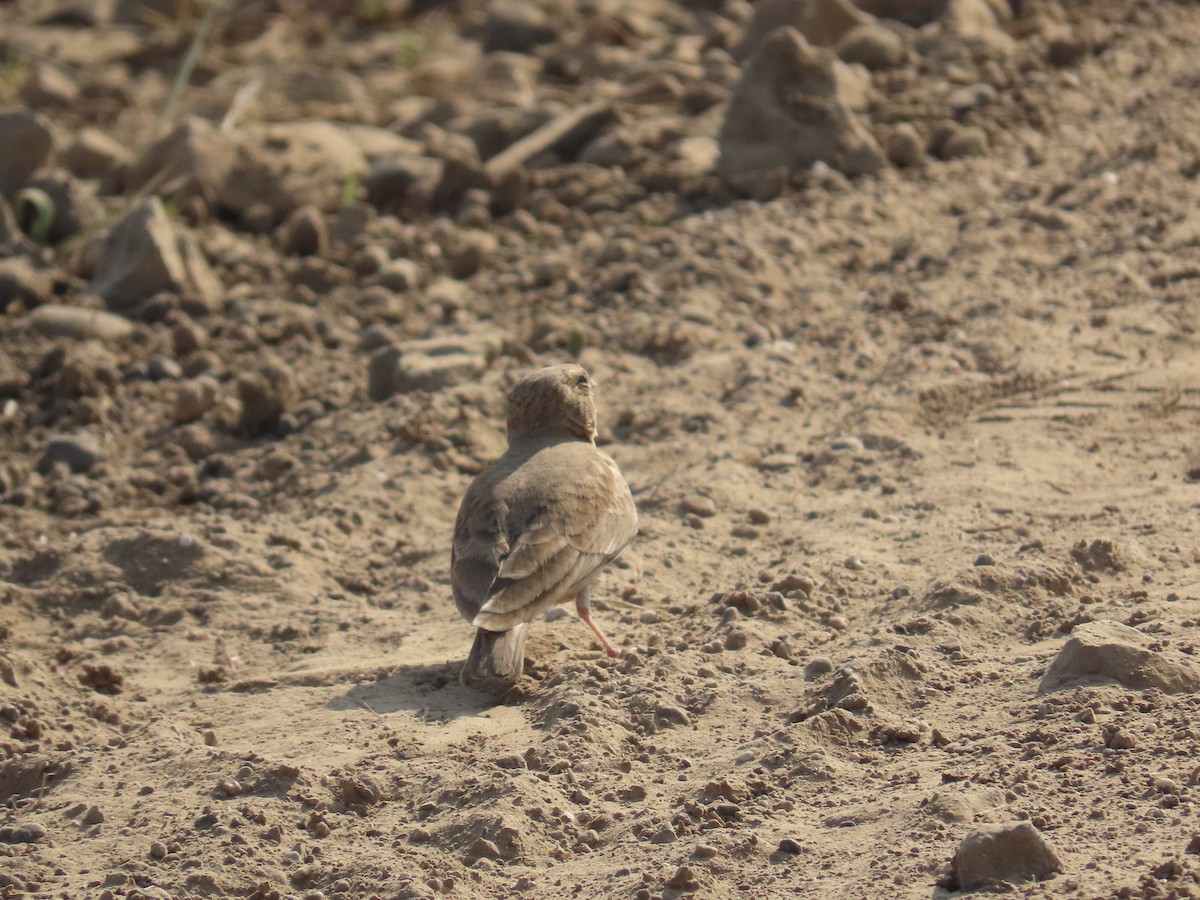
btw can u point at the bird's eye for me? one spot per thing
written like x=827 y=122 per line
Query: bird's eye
x=583 y=380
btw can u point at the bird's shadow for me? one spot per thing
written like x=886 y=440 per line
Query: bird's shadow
x=430 y=690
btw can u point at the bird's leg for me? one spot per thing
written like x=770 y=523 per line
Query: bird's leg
x=583 y=606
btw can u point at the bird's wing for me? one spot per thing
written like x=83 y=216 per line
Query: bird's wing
x=478 y=549
x=568 y=538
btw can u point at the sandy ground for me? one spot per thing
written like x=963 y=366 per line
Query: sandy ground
x=867 y=425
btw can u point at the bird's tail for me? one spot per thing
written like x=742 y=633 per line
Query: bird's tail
x=496 y=656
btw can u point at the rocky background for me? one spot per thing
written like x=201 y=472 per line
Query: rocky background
x=893 y=308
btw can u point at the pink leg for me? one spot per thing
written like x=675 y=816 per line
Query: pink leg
x=583 y=606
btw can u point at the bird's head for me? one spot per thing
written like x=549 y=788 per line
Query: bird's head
x=555 y=401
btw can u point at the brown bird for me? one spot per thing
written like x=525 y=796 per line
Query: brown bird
x=537 y=525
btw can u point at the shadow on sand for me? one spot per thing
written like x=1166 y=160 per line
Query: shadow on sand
x=429 y=688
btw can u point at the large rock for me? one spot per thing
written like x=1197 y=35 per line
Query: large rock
x=278 y=166
x=93 y=154
x=25 y=146
x=193 y=159
x=144 y=256
x=1014 y=851
x=822 y=22
x=793 y=107
x=1109 y=650
x=431 y=364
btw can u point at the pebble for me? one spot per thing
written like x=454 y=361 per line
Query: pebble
x=854 y=564
x=665 y=835
x=158 y=850
x=668 y=716
x=25 y=145
x=736 y=639
x=984 y=559
x=759 y=517
x=962 y=142
x=305 y=233
x=194 y=398
x=186 y=338
x=818 y=665
x=649 y=617
x=873 y=46
x=684 y=879
x=93 y=816
x=265 y=395
x=21 y=283
x=849 y=444
x=790 y=846
x=78 y=323
x=699 y=505
x=400 y=275
x=163 y=368
x=80 y=453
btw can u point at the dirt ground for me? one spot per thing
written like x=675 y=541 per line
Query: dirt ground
x=891 y=438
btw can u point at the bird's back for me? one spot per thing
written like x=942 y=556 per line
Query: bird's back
x=540 y=508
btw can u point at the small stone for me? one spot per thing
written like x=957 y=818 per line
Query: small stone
x=516 y=26
x=984 y=559
x=80 y=453
x=21 y=283
x=163 y=368
x=48 y=86
x=665 y=835
x=1005 y=852
x=469 y=253
x=210 y=738
x=818 y=665
x=847 y=444
x=699 y=505
x=963 y=142
x=1165 y=785
x=25 y=146
x=759 y=517
x=905 y=148
x=158 y=850
x=400 y=275
x=187 y=337
x=305 y=233
x=670 y=716
x=790 y=846
x=854 y=564
x=194 y=398
x=684 y=879
x=649 y=617
x=93 y=154
x=265 y=395
x=873 y=46
x=974 y=96
x=736 y=639
x=79 y=323
x=794 y=581
x=93 y=816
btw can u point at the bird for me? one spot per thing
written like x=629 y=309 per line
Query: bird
x=536 y=526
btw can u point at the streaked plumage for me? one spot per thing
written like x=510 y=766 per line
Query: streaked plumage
x=536 y=526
